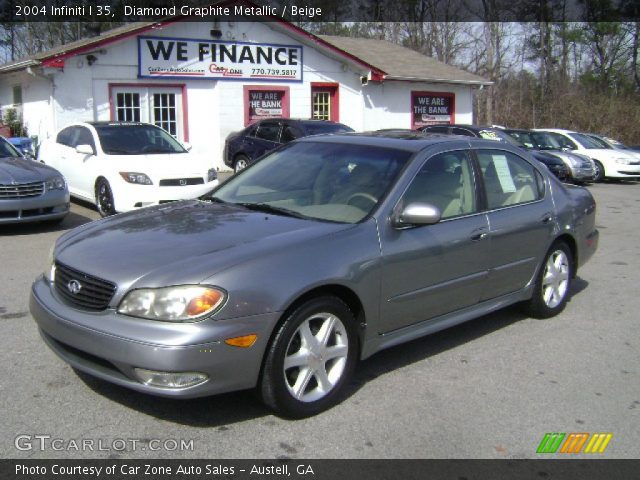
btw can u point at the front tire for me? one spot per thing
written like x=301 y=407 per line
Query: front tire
x=552 y=286
x=241 y=162
x=598 y=176
x=104 y=198
x=311 y=359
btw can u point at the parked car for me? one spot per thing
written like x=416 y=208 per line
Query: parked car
x=579 y=168
x=121 y=166
x=29 y=191
x=554 y=164
x=325 y=251
x=243 y=147
x=24 y=145
x=615 y=144
x=609 y=163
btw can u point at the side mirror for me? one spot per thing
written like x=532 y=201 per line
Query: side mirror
x=187 y=146
x=85 y=149
x=416 y=214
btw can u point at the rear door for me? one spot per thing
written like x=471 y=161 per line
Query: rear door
x=432 y=270
x=521 y=218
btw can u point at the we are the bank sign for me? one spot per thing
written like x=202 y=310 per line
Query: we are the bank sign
x=160 y=57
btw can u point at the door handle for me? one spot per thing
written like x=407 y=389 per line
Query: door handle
x=479 y=236
x=547 y=217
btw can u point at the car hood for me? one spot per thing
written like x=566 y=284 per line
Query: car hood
x=185 y=242
x=546 y=157
x=176 y=165
x=20 y=170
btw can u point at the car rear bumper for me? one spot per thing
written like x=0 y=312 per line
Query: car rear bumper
x=50 y=205
x=111 y=354
x=623 y=171
x=129 y=197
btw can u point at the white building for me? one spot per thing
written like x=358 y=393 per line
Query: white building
x=203 y=80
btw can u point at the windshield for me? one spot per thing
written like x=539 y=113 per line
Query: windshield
x=320 y=128
x=589 y=142
x=7 y=150
x=536 y=140
x=324 y=181
x=136 y=139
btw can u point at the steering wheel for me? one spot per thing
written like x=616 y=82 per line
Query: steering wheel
x=366 y=196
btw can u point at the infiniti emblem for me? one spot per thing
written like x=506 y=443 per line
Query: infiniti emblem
x=183 y=182
x=74 y=286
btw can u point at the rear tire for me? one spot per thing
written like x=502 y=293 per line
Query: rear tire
x=104 y=198
x=551 y=289
x=311 y=359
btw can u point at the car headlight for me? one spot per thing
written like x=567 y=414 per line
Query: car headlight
x=212 y=175
x=55 y=183
x=50 y=267
x=184 y=303
x=135 y=177
x=623 y=161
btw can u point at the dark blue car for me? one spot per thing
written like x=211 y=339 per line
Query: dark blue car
x=243 y=147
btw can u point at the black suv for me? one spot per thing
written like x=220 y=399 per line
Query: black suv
x=243 y=147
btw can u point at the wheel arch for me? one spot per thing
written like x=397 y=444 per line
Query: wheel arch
x=573 y=247
x=345 y=294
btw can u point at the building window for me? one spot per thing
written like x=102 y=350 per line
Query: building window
x=324 y=101
x=17 y=94
x=262 y=102
x=321 y=105
x=164 y=112
x=128 y=107
x=163 y=105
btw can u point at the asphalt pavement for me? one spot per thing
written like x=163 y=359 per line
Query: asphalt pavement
x=490 y=388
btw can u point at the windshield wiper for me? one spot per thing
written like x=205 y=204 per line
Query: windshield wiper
x=265 y=207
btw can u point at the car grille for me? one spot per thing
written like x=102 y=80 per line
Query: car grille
x=94 y=293
x=181 y=182
x=21 y=190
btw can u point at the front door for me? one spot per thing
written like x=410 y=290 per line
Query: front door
x=435 y=269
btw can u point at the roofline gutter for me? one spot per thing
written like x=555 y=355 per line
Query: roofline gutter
x=14 y=67
x=438 y=80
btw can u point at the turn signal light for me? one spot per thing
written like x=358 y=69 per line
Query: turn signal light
x=245 y=341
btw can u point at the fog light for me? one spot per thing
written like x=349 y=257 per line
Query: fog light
x=170 y=379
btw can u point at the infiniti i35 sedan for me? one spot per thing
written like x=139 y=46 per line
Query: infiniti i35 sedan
x=323 y=252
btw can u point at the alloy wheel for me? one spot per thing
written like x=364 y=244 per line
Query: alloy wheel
x=555 y=280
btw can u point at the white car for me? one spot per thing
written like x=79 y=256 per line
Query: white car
x=609 y=162
x=121 y=166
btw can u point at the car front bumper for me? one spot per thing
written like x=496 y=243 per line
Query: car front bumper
x=621 y=170
x=110 y=346
x=51 y=205
x=128 y=196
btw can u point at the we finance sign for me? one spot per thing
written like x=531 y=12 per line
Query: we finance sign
x=160 y=57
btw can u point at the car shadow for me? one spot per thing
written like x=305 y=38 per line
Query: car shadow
x=72 y=220
x=226 y=409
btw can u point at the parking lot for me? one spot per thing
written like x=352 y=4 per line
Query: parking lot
x=490 y=388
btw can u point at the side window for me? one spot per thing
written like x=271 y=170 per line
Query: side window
x=508 y=179
x=290 y=133
x=84 y=137
x=445 y=181
x=269 y=131
x=462 y=131
x=566 y=142
x=64 y=136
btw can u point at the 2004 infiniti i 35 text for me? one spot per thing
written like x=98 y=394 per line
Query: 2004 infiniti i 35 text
x=322 y=253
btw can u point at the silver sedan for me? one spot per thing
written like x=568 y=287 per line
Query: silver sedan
x=324 y=252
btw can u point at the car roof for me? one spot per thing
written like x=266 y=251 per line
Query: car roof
x=554 y=130
x=115 y=123
x=401 y=140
